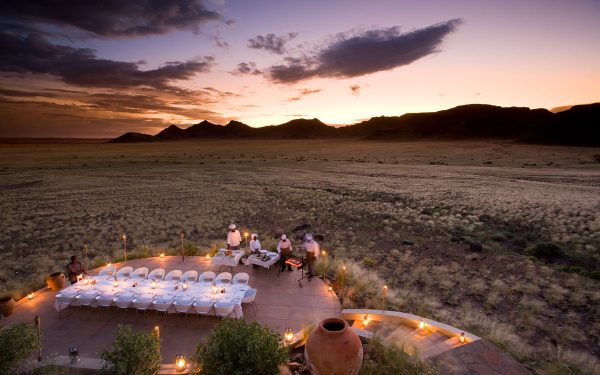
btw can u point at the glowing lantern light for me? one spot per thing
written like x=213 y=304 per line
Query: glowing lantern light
x=207 y=256
x=289 y=335
x=366 y=320
x=30 y=295
x=180 y=363
x=153 y=284
x=462 y=339
x=422 y=324
x=116 y=283
x=162 y=255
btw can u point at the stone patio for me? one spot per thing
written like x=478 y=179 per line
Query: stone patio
x=280 y=304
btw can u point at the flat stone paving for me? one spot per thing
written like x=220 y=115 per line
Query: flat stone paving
x=280 y=303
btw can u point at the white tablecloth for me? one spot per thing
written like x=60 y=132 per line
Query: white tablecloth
x=165 y=290
x=220 y=259
x=253 y=259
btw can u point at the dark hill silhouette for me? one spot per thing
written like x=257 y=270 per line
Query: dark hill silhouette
x=575 y=126
x=132 y=137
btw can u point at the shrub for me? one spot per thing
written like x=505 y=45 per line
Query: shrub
x=546 y=251
x=369 y=262
x=380 y=359
x=17 y=343
x=135 y=353
x=236 y=347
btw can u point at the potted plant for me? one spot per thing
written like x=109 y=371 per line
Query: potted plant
x=133 y=353
x=55 y=281
x=237 y=347
x=7 y=306
x=18 y=342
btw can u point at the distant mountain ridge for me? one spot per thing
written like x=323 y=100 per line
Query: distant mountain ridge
x=575 y=126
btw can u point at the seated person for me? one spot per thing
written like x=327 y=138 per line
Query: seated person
x=254 y=244
x=74 y=269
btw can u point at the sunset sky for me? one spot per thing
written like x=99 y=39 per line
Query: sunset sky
x=101 y=68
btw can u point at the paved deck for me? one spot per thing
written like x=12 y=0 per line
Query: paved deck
x=280 y=304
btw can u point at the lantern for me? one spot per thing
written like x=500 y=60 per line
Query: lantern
x=30 y=295
x=108 y=264
x=116 y=283
x=185 y=286
x=289 y=335
x=153 y=284
x=422 y=324
x=462 y=339
x=207 y=256
x=162 y=255
x=157 y=331
x=366 y=320
x=179 y=363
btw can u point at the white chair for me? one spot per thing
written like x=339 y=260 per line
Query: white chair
x=142 y=303
x=105 y=300
x=240 y=278
x=123 y=302
x=203 y=307
x=157 y=274
x=224 y=309
x=207 y=277
x=190 y=276
x=86 y=299
x=224 y=278
x=107 y=271
x=183 y=305
x=249 y=297
x=162 y=305
x=173 y=275
x=124 y=272
x=140 y=273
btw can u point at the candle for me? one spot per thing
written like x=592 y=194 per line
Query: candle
x=153 y=284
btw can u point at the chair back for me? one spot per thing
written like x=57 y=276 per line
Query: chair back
x=190 y=276
x=173 y=275
x=124 y=272
x=203 y=307
x=140 y=273
x=224 y=308
x=241 y=278
x=224 y=278
x=157 y=274
x=183 y=305
x=207 y=277
x=162 y=305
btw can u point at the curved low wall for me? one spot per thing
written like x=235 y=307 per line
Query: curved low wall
x=406 y=319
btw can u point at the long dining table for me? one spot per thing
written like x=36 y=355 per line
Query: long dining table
x=142 y=289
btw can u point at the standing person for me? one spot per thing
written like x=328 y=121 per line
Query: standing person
x=312 y=253
x=254 y=244
x=234 y=238
x=284 y=247
x=74 y=269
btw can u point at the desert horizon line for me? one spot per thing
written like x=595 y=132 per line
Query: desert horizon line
x=184 y=126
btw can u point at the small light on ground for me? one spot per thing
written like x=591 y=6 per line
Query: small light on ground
x=180 y=363
x=462 y=339
x=422 y=324
x=30 y=295
x=366 y=320
x=162 y=255
x=289 y=335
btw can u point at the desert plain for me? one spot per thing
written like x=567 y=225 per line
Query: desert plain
x=446 y=225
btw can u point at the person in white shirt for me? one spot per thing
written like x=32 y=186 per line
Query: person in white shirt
x=254 y=244
x=284 y=247
x=234 y=238
x=312 y=253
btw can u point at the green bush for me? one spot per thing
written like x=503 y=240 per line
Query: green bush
x=135 y=353
x=546 y=251
x=369 y=262
x=380 y=359
x=238 y=348
x=17 y=343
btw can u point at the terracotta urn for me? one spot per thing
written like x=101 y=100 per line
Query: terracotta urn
x=7 y=306
x=333 y=349
x=56 y=281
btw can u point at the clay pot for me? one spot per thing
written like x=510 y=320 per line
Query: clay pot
x=7 y=306
x=56 y=281
x=333 y=349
